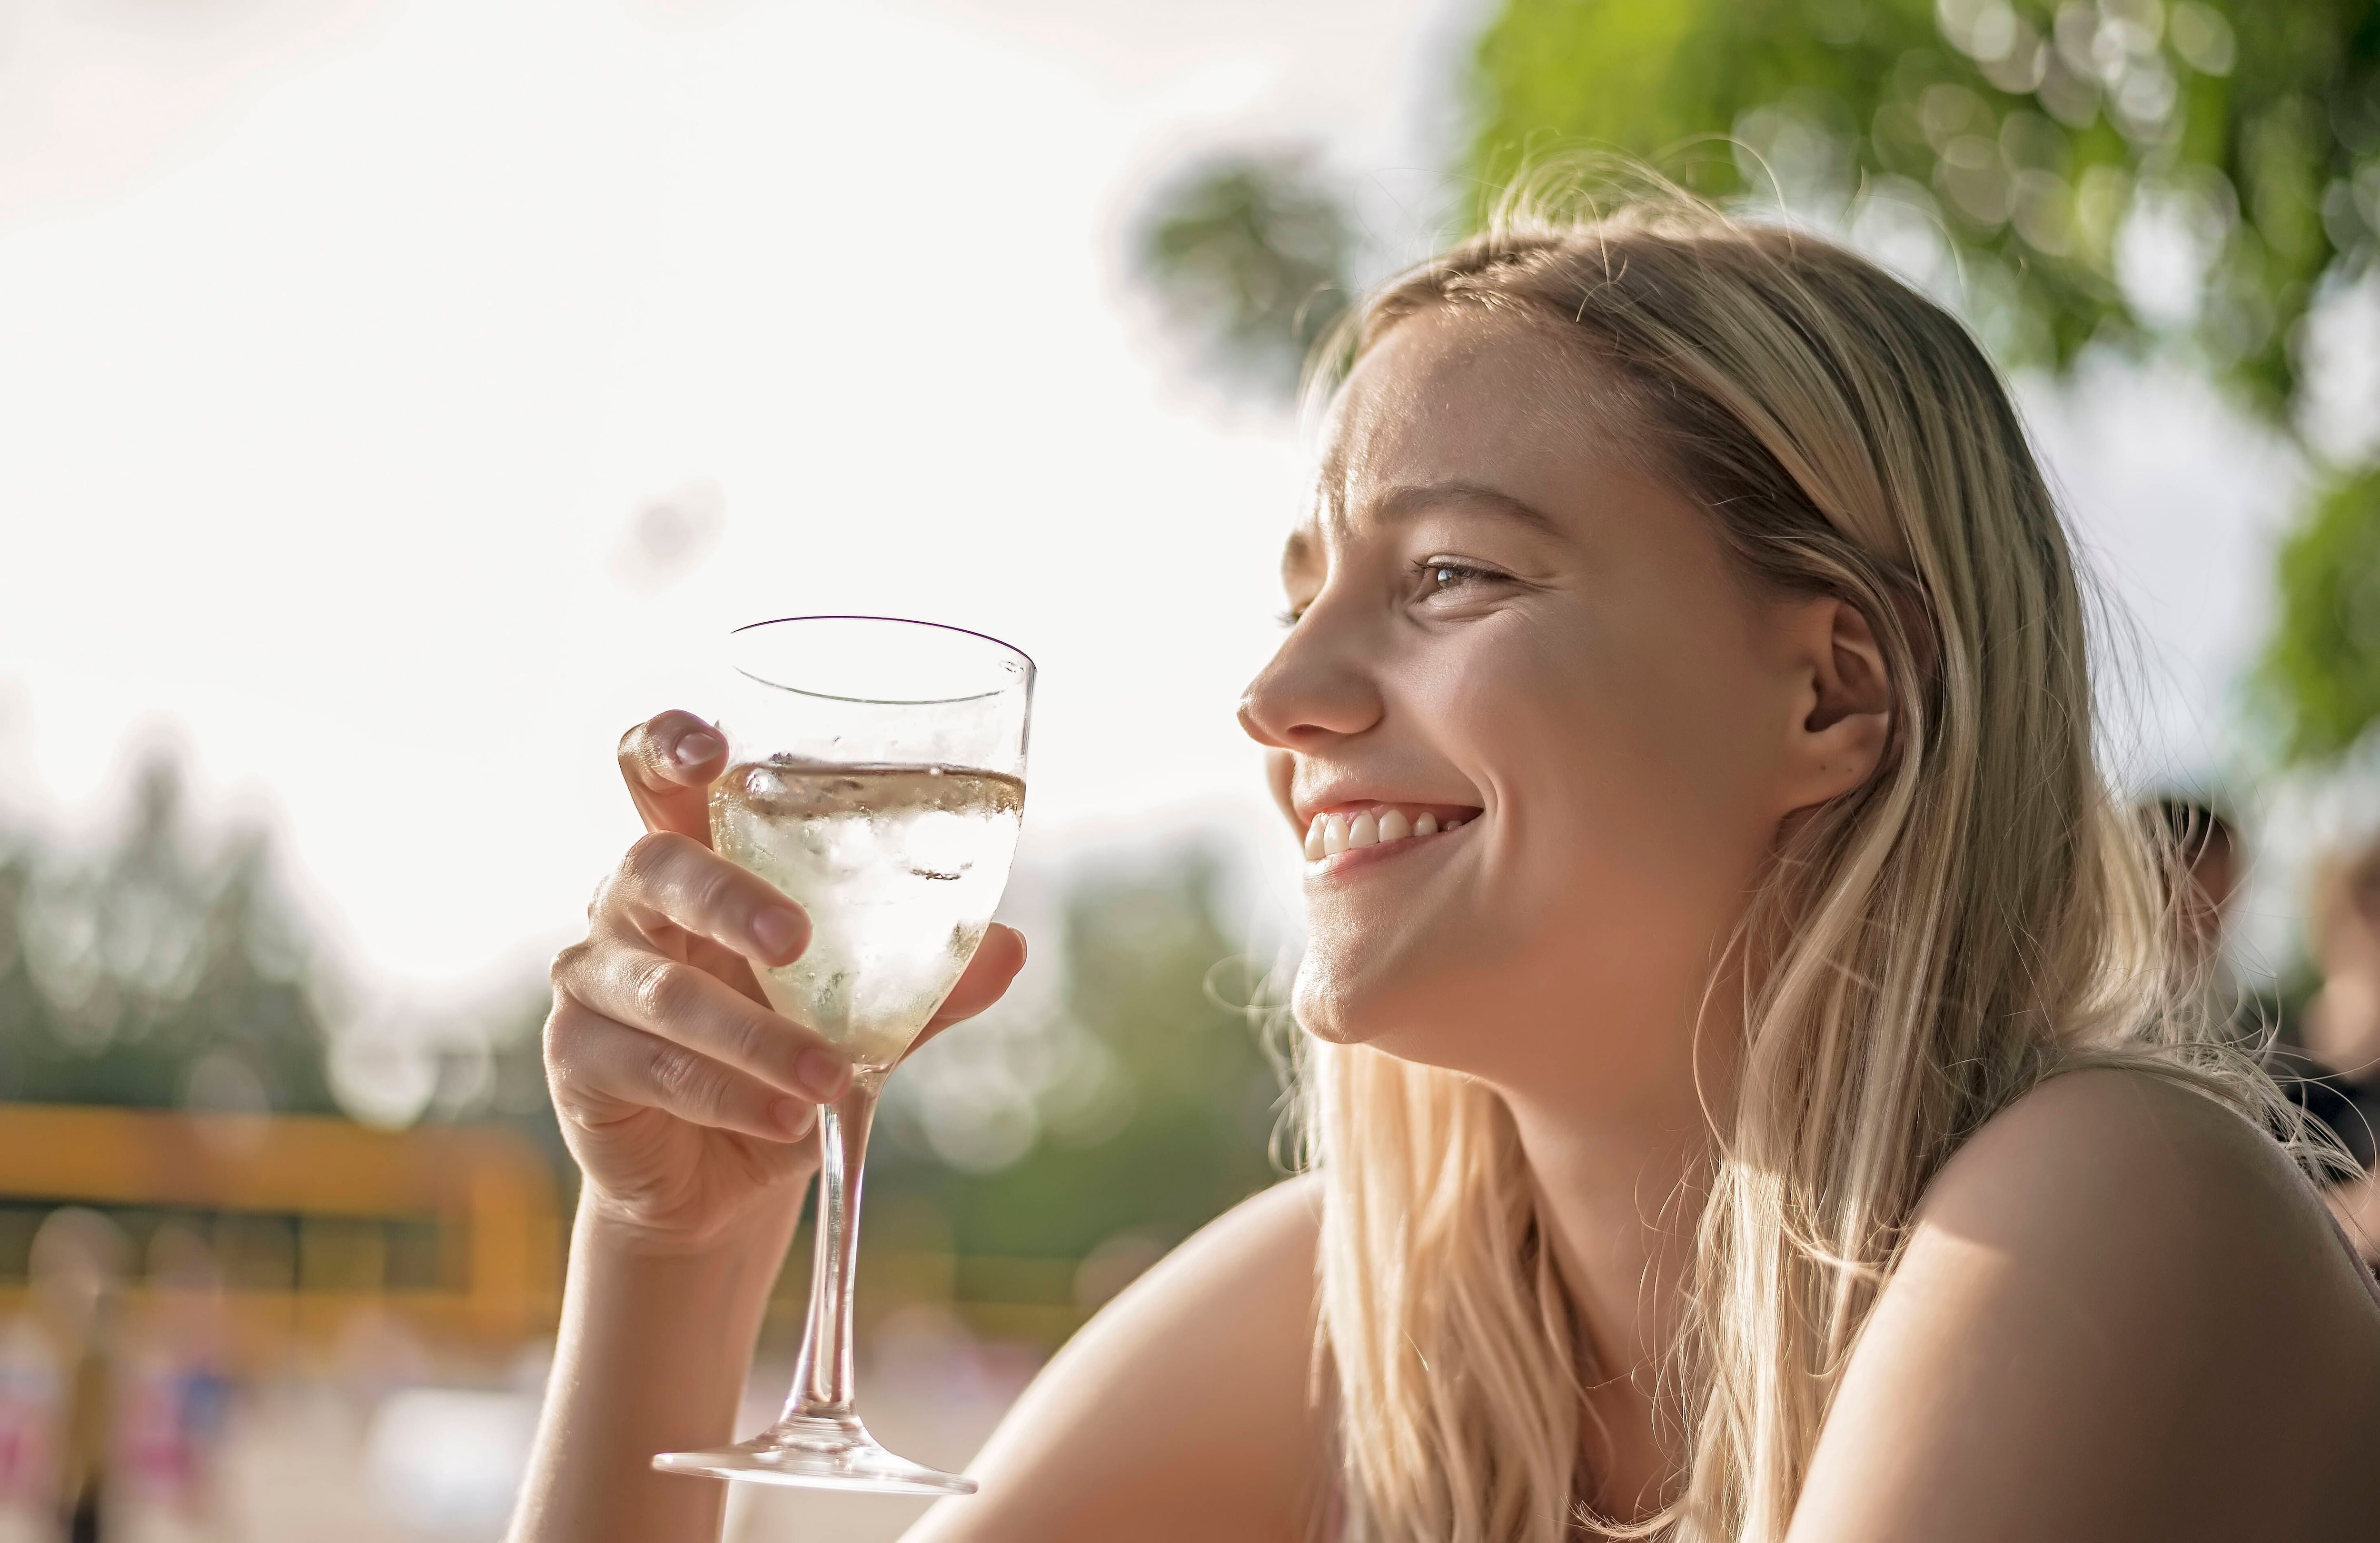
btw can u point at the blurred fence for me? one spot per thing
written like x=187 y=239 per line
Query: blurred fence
x=455 y=1232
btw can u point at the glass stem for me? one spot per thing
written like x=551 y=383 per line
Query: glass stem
x=823 y=1378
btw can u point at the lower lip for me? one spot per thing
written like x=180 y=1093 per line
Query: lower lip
x=1356 y=857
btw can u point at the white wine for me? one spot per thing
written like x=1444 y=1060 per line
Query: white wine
x=900 y=868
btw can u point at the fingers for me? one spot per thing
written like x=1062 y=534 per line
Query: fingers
x=988 y=976
x=668 y=881
x=601 y=1064
x=694 y=1011
x=669 y=763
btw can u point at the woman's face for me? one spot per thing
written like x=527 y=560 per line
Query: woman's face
x=1505 y=623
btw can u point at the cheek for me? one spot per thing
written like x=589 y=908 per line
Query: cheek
x=1632 y=819
x=1625 y=826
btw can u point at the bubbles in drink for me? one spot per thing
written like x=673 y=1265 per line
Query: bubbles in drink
x=900 y=868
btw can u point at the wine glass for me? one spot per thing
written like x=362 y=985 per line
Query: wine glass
x=875 y=774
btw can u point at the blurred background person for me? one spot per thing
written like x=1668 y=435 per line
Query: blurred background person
x=2204 y=847
x=2324 y=1049
x=78 y=1264
x=177 y=1394
x=30 y=1391
x=2333 y=1045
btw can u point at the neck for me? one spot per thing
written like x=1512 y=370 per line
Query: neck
x=1617 y=1195
x=1620 y=1193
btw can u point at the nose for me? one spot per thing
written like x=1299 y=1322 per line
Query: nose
x=1319 y=686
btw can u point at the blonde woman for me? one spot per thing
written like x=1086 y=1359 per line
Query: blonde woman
x=1747 y=1098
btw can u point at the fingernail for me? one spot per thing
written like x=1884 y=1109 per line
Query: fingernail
x=695 y=749
x=776 y=928
x=823 y=1072
x=792 y=1116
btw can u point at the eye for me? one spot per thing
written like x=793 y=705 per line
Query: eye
x=1440 y=576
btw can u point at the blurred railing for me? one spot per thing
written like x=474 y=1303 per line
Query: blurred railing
x=454 y=1231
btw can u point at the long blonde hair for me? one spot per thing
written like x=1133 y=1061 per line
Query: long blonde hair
x=1980 y=916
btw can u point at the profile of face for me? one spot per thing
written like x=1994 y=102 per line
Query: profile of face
x=1512 y=626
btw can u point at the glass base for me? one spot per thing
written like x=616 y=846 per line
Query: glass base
x=818 y=1453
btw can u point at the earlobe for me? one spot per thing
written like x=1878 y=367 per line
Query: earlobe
x=1840 y=740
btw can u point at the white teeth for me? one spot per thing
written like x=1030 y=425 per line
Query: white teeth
x=1331 y=834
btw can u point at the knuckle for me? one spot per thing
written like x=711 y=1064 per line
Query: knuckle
x=665 y=990
x=569 y=964
x=748 y=1043
x=689 y=1083
x=650 y=856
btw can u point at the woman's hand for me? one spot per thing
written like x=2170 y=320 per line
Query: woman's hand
x=684 y=1098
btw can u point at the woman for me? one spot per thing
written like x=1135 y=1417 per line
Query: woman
x=1747 y=1097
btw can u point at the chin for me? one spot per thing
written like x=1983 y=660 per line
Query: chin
x=1427 y=1015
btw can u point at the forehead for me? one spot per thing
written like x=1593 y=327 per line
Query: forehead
x=1459 y=396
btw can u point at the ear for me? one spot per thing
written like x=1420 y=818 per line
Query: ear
x=1842 y=704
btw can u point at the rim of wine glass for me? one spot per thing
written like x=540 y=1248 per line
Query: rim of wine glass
x=1031 y=669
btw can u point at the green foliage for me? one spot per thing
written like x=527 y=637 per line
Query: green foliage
x=155 y=977
x=2322 y=663
x=2252 y=133
x=1251 y=255
x=1195 y=1096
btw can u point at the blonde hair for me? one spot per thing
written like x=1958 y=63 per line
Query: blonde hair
x=1924 y=949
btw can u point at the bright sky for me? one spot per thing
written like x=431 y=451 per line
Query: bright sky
x=342 y=343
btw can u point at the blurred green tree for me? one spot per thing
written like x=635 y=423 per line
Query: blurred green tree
x=1190 y=1097
x=2035 y=130
x=2325 y=656
x=154 y=975
x=1250 y=254
x=2196 y=176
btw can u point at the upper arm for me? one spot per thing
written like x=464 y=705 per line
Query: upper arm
x=1180 y=1411
x=2121 y=1315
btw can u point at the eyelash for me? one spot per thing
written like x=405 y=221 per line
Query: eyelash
x=1425 y=574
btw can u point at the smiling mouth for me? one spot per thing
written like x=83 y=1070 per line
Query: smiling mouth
x=1380 y=825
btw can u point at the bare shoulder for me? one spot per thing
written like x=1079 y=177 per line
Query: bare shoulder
x=2120 y=1313
x=1181 y=1410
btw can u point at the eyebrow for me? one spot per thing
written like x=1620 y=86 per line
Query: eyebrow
x=1410 y=500
x=1405 y=502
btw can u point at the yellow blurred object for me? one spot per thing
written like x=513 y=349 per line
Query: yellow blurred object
x=319 y=1200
